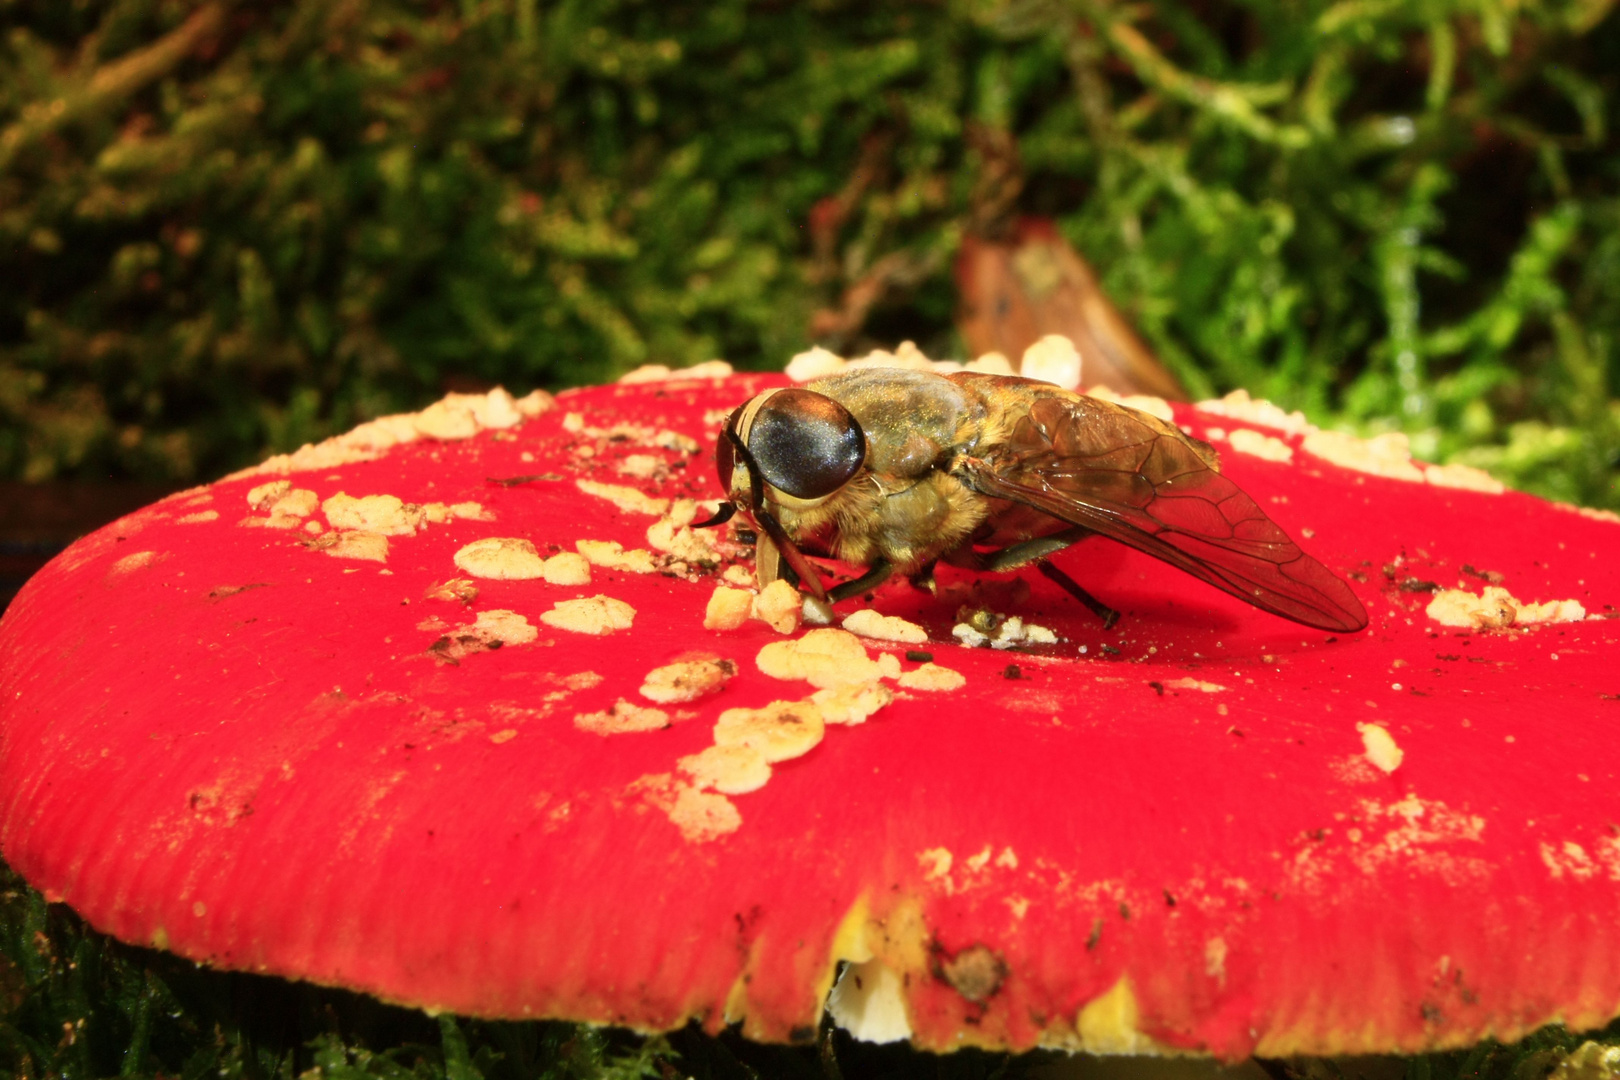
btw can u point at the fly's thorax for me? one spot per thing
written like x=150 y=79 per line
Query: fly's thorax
x=914 y=421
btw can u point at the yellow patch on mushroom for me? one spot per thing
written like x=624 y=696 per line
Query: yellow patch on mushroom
x=289 y=511
x=592 y=615
x=461 y=416
x=670 y=534
x=1496 y=608
x=814 y=363
x=1251 y=442
x=1388 y=455
x=1190 y=683
x=623 y=718
x=457 y=416
x=627 y=499
x=1240 y=406
x=264 y=494
x=780 y=731
x=386 y=515
x=727 y=608
x=687 y=680
x=1052 y=359
x=640 y=466
x=738 y=575
x=731 y=770
x=852 y=704
x=824 y=658
x=1379 y=746
x=1465 y=477
x=1591 y=512
x=611 y=555
x=701 y=816
x=1550 y=611
x=135 y=560
x=437 y=513
x=933 y=677
x=1108 y=1023
x=501 y=558
x=198 y=518
x=778 y=606
x=354 y=544
x=646 y=373
x=869 y=624
x=567 y=568
x=507 y=627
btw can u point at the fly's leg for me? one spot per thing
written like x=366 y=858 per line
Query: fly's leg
x=875 y=575
x=1107 y=614
x=1037 y=552
x=923 y=576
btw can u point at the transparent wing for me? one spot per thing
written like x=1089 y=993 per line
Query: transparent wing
x=1132 y=479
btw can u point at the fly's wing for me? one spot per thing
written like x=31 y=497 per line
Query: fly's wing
x=1127 y=476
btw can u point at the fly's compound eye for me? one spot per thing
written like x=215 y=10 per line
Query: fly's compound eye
x=725 y=458
x=805 y=443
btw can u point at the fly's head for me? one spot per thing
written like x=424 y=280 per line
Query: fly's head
x=785 y=452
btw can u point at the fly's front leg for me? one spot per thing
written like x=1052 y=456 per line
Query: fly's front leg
x=923 y=577
x=875 y=575
x=1037 y=551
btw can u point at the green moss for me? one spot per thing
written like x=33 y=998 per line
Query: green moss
x=226 y=241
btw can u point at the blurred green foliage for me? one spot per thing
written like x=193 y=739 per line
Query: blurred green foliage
x=229 y=228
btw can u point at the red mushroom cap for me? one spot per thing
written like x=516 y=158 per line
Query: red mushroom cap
x=302 y=722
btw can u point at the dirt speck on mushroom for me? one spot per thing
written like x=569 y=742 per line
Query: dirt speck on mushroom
x=456 y=589
x=976 y=972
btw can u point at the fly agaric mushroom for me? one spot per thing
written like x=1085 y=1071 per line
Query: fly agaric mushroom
x=315 y=720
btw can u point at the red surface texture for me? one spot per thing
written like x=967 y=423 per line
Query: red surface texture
x=244 y=749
